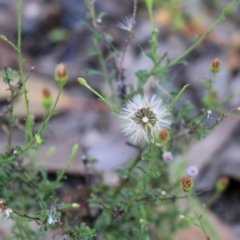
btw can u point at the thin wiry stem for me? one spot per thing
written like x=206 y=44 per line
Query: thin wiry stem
x=102 y=61
x=199 y=218
x=26 y=216
x=130 y=35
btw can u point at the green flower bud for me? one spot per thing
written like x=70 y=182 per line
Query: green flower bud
x=82 y=81
x=39 y=141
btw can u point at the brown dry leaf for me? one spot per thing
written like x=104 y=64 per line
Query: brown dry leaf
x=35 y=84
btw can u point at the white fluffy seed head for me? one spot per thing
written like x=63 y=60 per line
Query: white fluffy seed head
x=141 y=110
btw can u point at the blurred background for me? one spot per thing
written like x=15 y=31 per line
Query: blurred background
x=53 y=31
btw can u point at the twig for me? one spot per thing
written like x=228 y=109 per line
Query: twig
x=190 y=129
x=26 y=216
x=171 y=198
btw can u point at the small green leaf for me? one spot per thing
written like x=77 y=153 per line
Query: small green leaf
x=92 y=52
x=8 y=74
x=142 y=76
x=91 y=71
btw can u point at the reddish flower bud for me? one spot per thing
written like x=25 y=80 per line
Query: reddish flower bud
x=46 y=99
x=222 y=183
x=61 y=74
x=215 y=65
x=164 y=136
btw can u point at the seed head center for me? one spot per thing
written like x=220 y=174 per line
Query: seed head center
x=145 y=119
x=144 y=116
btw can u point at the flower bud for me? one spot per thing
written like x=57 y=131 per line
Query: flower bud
x=215 y=65
x=82 y=81
x=222 y=184
x=75 y=205
x=164 y=136
x=186 y=183
x=61 y=74
x=46 y=99
x=38 y=139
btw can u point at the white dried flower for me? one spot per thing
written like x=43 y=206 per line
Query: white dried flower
x=143 y=117
x=5 y=209
x=126 y=24
x=53 y=216
x=15 y=152
x=209 y=112
x=7 y=213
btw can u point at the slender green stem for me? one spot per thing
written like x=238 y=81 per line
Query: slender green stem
x=83 y=82
x=10 y=128
x=198 y=217
x=178 y=96
x=103 y=99
x=44 y=124
x=103 y=64
x=70 y=160
x=90 y=5
x=151 y=163
x=29 y=122
x=149 y=4
x=198 y=41
x=5 y=39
